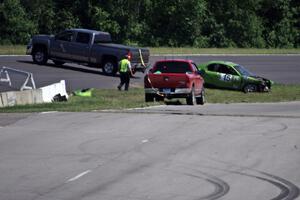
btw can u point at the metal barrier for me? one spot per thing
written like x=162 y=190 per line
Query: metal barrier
x=29 y=76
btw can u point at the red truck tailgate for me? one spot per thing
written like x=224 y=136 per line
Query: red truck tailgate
x=168 y=80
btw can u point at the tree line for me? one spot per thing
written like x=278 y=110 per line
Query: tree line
x=174 y=23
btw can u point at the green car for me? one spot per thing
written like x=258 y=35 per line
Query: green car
x=222 y=74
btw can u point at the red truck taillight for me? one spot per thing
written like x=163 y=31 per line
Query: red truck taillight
x=129 y=55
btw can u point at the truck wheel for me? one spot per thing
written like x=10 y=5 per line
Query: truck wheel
x=40 y=56
x=159 y=98
x=201 y=99
x=149 y=97
x=191 y=99
x=110 y=67
x=250 y=88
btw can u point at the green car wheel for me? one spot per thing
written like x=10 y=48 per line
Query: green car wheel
x=250 y=88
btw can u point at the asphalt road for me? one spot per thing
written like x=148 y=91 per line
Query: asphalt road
x=215 y=151
x=280 y=68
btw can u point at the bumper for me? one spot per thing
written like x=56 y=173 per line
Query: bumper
x=174 y=93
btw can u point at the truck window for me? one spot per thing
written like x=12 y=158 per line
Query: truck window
x=102 y=38
x=83 y=38
x=172 y=67
x=65 y=36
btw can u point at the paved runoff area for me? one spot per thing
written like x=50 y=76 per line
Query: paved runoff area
x=215 y=151
x=279 y=68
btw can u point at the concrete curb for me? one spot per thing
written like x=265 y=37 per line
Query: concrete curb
x=41 y=95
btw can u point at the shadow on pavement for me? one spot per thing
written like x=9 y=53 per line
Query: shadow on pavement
x=68 y=67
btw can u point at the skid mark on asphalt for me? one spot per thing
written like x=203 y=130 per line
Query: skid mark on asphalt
x=221 y=187
x=293 y=190
x=288 y=190
x=196 y=113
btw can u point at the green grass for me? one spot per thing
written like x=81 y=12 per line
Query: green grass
x=21 y=50
x=12 y=50
x=279 y=93
x=104 y=99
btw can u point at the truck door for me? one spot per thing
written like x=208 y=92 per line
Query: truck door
x=81 y=47
x=61 y=45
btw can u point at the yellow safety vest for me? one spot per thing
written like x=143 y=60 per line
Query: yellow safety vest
x=124 y=65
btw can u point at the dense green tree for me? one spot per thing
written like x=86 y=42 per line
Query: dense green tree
x=175 y=23
x=198 y=23
x=234 y=23
x=41 y=13
x=15 y=27
x=65 y=20
x=280 y=25
x=101 y=20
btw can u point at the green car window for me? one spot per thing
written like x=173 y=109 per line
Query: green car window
x=243 y=71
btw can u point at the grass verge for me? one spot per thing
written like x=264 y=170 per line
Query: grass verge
x=12 y=50
x=112 y=99
x=21 y=50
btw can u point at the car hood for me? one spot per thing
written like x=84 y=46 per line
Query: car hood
x=259 y=78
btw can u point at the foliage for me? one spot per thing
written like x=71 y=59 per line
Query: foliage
x=177 y=23
x=15 y=27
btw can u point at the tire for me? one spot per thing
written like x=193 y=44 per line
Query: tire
x=191 y=99
x=201 y=99
x=159 y=98
x=59 y=63
x=40 y=56
x=250 y=88
x=110 y=67
x=149 y=97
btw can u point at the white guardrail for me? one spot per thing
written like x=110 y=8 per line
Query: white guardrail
x=29 y=77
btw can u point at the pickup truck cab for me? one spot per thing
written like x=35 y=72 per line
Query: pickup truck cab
x=174 y=79
x=88 y=47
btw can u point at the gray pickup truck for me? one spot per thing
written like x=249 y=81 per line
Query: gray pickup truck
x=87 y=47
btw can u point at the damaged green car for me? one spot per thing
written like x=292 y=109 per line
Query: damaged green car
x=222 y=74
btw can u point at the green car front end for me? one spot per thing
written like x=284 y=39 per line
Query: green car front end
x=228 y=75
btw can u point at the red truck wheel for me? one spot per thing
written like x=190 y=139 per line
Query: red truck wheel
x=191 y=99
x=201 y=99
x=149 y=97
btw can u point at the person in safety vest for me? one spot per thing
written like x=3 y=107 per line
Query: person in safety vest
x=125 y=72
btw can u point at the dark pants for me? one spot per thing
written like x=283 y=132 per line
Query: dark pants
x=125 y=79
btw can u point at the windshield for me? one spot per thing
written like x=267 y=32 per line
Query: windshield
x=172 y=67
x=243 y=71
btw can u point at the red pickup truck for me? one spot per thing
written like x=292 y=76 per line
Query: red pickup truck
x=174 y=79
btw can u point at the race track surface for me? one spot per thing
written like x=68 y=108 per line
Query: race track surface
x=210 y=152
x=279 y=68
